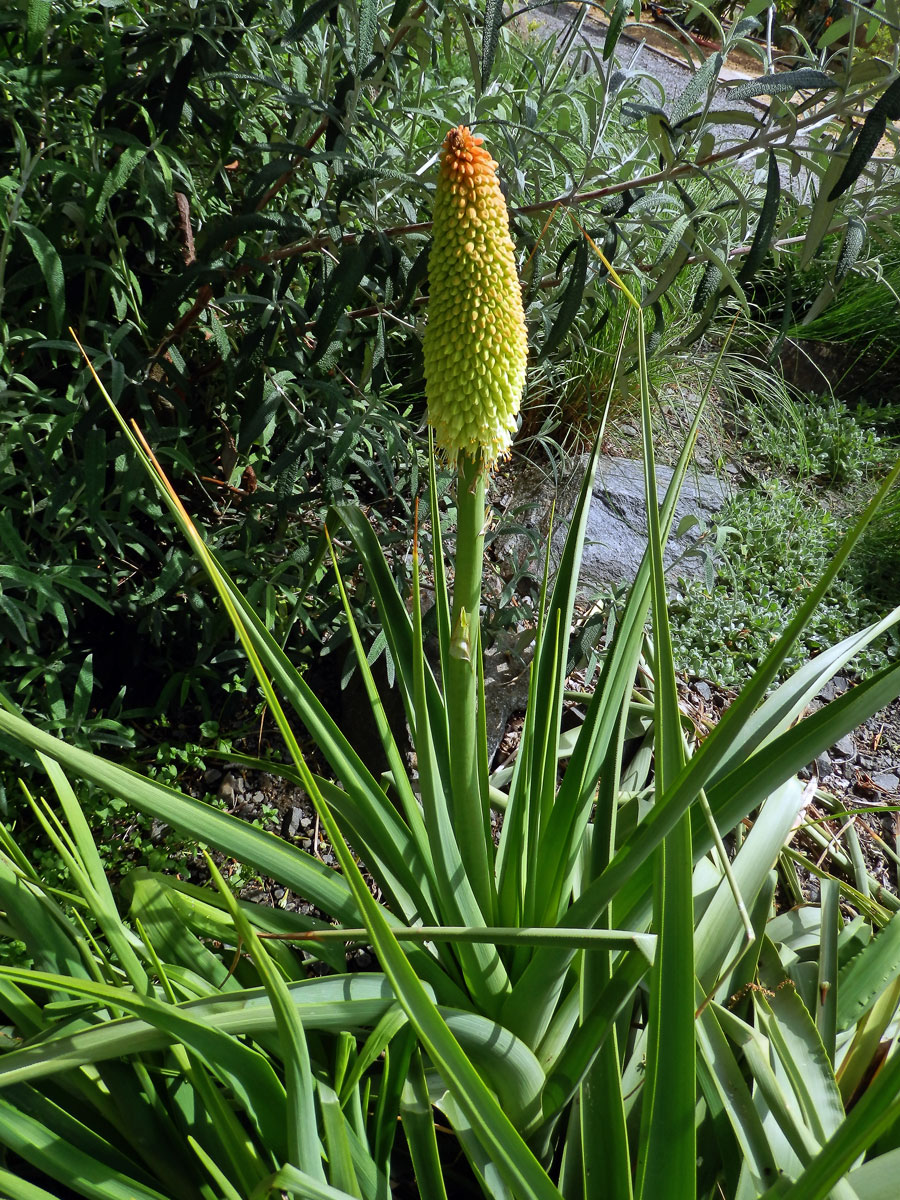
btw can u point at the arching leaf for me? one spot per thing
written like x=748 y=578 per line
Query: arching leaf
x=571 y=299
x=783 y=83
x=887 y=108
x=493 y=13
x=759 y=247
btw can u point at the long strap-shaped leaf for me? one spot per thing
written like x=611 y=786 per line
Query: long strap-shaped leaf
x=667 y=1150
x=397 y=625
x=576 y=792
x=542 y=978
x=575 y=798
x=787 y=702
x=376 y=823
x=747 y=786
x=245 y=1070
x=302 y=1139
x=331 y=1004
x=267 y=853
x=491 y=1125
x=43 y=1147
x=485 y=973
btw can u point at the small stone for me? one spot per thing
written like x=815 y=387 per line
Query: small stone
x=886 y=781
x=158 y=830
x=702 y=462
x=823 y=764
x=259 y=797
x=846 y=747
x=732 y=469
x=829 y=691
x=704 y=690
x=291 y=822
x=629 y=431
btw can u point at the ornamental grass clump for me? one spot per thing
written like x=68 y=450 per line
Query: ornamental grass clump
x=475 y=346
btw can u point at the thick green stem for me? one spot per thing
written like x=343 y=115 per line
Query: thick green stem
x=470 y=813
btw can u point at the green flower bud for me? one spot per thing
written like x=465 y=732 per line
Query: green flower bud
x=475 y=345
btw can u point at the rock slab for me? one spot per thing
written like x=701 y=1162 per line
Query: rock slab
x=616 y=535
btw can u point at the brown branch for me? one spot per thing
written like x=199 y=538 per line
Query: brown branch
x=567 y=200
x=184 y=224
x=298 y=162
x=205 y=295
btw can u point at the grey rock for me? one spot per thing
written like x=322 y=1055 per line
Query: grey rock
x=615 y=538
x=828 y=692
x=629 y=431
x=259 y=797
x=291 y=822
x=732 y=469
x=834 y=687
x=505 y=691
x=846 y=747
x=887 y=781
x=704 y=690
x=823 y=764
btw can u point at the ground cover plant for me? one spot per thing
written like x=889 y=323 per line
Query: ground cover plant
x=775 y=539
x=563 y=997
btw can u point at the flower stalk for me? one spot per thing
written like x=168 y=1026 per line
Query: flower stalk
x=470 y=811
x=475 y=356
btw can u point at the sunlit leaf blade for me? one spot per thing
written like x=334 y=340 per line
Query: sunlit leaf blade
x=301 y=1131
x=485 y=974
x=876 y=1111
x=667 y=1151
x=418 y=1125
x=868 y=975
x=234 y=837
x=720 y=1069
x=43 y=1148
x=720 y=930
x=542 y=977
x=330 y=1005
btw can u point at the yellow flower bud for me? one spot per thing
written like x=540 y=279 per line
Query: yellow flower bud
x=475 y=345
